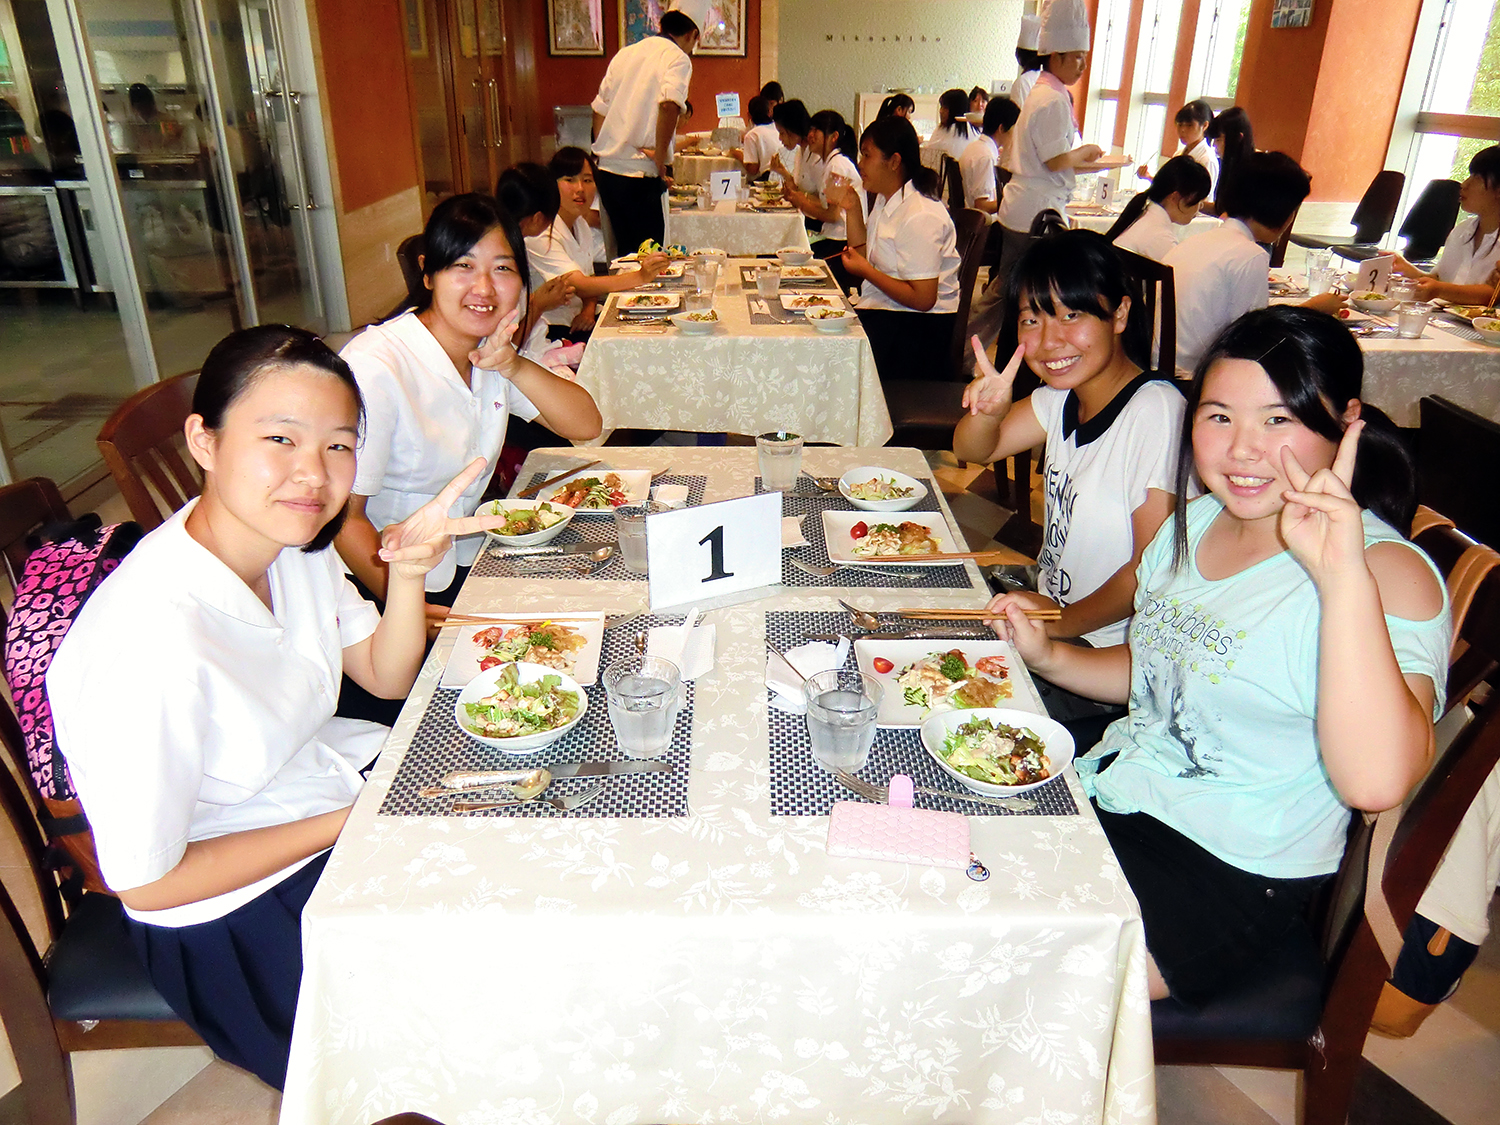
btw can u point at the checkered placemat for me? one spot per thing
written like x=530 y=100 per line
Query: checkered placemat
x=748 y=275
x=1462 y=329
x=582 y=529
x=801 y=787
x=774 y=312
x=439 y=745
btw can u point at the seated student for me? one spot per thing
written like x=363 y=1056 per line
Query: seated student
x=1287 y=659
x=953 y=132
x=982 y=157
x=979 y=97
x=574 y=169
x=225 y=777
x=1153 y=220
x=1192 y=121
x=832 y=142
x=806 y=170
x=896 y=105
x=773 y=93
x=1465 y=270
x=1232 y=140
x=1110 y=426
x=905 y=255
x=1225 y=272
x=761 y=142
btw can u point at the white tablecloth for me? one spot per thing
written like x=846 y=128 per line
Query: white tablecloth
x=746 y=378
x=697 y=169
x=743 y=232
x=1399 y=372
x=720 y=966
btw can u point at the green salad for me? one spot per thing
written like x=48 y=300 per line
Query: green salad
x=877 y=488
x=514 y=709
x=996 y=753
x=528 y=521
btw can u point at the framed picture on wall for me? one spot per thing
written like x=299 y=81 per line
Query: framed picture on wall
x=725 y=33
x=639 y=20
x=575 y=27
x=1291 y=13
x=415 y=22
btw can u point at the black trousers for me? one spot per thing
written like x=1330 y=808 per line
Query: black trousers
x=908 y=345
x=634 y=207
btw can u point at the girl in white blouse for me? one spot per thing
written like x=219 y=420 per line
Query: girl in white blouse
x=793 y=123
x=1150 y=223
x=224 y=777
x=1466 y=270
x=953 y=132
x=832 y=142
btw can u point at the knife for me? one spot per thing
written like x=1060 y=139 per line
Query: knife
x=594 y=769
x=905 y=635
x=547 y=549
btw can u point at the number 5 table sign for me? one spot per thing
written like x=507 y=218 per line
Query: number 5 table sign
x=696 y=553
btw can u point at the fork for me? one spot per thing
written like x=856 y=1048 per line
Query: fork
x=561 y=804
x=825 y=571
x=880 y=793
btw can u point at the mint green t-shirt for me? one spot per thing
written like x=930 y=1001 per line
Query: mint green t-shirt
x=1221 y=739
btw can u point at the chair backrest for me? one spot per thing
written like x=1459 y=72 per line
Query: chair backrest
x=953 y=182
x=1376 y=210
x=20 y=812
x=971 y=228
x=409 y=256
x=1430 y=219
x=1453 y=447
x=24 y=507
x=140 y=447
x=1152 y=284
x=1467 y=564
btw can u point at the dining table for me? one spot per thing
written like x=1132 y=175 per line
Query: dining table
x=698 y=168
x=684 y=947
x=762 y=368
x=744 y=229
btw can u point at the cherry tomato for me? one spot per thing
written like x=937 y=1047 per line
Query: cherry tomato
x=1343 y=314
x=859 y=530
x=881 y=665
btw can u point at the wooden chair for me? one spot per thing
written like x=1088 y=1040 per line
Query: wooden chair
x=1152 y=285
x=1453 y=447
x=409 y=257
x=1309 y=1008
x=139 y=444
x=953 y=186
x=24 y=507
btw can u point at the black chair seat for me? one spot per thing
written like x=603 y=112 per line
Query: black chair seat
x=924 y=412
x=94 y=973
x=1283 y=1000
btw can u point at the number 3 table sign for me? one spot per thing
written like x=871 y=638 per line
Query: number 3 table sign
x=697 y=553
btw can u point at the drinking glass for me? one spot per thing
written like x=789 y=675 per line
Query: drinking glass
x=768 y=281
x=698 y=302
x=1319 y=280
x=841 y=709
x=1402 y=288
x=644 y=694
x=630 y=532
x=780 y=456
x=705 y=274
x=1411 y=319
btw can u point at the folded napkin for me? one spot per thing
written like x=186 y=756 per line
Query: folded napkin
x=692 y=650
x=672 y=495
x=809 y=659
x=791 y=532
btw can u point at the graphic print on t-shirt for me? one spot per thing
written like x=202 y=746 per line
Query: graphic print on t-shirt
x=1061 y=497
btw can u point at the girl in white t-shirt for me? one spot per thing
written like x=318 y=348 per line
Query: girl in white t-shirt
x=1150 y=223
x=1469 y=265
x=215 y=652
x=832 y=142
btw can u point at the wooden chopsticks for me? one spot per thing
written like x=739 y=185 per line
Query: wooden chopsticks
x=528 y=493
x=973 y=614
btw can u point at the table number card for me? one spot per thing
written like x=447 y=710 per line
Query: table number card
x=725 y=185
x=697 y=553
x=1374 y=273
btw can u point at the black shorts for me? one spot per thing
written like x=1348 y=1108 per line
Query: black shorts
x=1208 y=923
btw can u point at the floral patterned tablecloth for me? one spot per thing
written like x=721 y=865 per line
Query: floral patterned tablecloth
x=741 y=232
x=745 y=378
x=721 y=966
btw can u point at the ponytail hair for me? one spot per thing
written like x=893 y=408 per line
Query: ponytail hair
x=956 y=102
x=831 y=123
x=894 y=102
x=895 y=136
x=1315 y=364
x=1181 y=174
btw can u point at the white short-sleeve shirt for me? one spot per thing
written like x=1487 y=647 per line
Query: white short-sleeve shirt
x=1219 y=275
x=422 y=425
x=1044 y=131
x=556 y=254
x=1204 y=154
x=978 y=165
x=187 y=710
x=1021 y=88
x=639 y=79
x=760 y=144
x=911 y=237
x=808 y=173
x=1459 y=263
x=1153 y=235
x=841 y=167
x=952 y=141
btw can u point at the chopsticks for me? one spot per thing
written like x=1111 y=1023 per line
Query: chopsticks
x=528 y=493
x=973 y=614
x=981 y=557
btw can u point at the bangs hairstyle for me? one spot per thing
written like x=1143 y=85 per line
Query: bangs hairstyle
x=793 y=117
x=831 y=123
x=956 y=103
x=1486 y=165
x=243 y=358
x=1082 y=270
x=1195 y=112
x=569 y=161
x=456 y=225
x=895 y=136
x=1316 y=366
x=528 y=189
x=1000 y=113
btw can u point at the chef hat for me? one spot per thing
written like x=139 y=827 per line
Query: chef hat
x=1065 y=27
x=695 y=10
x=1031 y=27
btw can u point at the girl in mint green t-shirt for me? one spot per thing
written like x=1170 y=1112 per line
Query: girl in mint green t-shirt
x=1285 y=660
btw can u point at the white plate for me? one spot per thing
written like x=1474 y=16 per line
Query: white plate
x=1056 y=741
x=636 y=484
x=661 y=303
x=894 y=711
x=794 y=256
x=801 y=302
x=468 y=654
x=535 y=538
x=803 y=273
x=840 y=543
x=863 y=473
x=690 y=327
x=484 y=684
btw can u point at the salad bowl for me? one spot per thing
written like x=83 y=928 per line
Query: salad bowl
x=942 y=743
x=555 y=517
x=526 y=676
x=890 y=492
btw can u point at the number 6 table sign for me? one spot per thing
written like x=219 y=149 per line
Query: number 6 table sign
x=696 y=553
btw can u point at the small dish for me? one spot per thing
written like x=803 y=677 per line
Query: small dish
x=1376 y=304
x=1056 y=741
x=484 y=684
x=865 y=473
x=1488 y=328
x=711 y=252
x=792 y=256
x=801 y=302
x=696 y=323
x=661 y=303
x=533 y=538
x=831 y=321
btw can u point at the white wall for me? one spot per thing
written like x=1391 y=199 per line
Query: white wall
x=878 y=44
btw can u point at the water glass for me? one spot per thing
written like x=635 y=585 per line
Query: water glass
x=1402 y=288
x=1319 y=259
x=780 y=456
x=1411 y=319
x=768 y=281
x=630 y=532
x=1319 y=280
x=704 y=199
x=705 y=274
x=644 y=694
x=841 y=709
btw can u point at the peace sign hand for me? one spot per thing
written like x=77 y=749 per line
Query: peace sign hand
x=991 y=391
x=418 y=543
x=497 y=352
x=1320 y=523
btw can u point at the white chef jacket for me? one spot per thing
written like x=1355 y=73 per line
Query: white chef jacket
x=911 y=237
x=978 y=167
x=422 y=425
x=187 y=710
x=640 y=77
x=839 y=165
x=556 y=254
x=1044 y=131
x=1459 y=263
x=1153 y=235
x=1219 y=276
x=1021 y=88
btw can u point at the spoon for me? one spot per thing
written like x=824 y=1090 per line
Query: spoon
x=597 y=557
x=860 y=617
x=827 y=484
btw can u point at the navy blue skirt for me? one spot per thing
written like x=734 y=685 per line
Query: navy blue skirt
x=235 y=980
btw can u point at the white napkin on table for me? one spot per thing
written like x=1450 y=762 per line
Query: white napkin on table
x=692 y=651
x=791 y=532
x=673 y=495
x=809 y=659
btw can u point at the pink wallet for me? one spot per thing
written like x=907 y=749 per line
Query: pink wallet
x=898 y=832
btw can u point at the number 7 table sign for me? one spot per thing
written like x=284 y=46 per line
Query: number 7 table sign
x=696 y=553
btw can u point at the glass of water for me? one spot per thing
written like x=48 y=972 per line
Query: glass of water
x=841 y=709
x=768 y=281
x=780 y=455
x=630 y=532
x=1411 y=319
x=705 y=274
x=644 y=694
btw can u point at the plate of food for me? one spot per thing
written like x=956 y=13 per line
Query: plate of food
x=598 y=492
x=569 y=643
x=803 y=273
x=921 y=677
x=711 y=252
x=873 y=489
x=529 y=523
x=518 y=708
x=1369 y=301
x=1471 y=312
x=698 y=323
x=658 y=303
x=997 y=751
x=801 y=302
x=864 y=539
